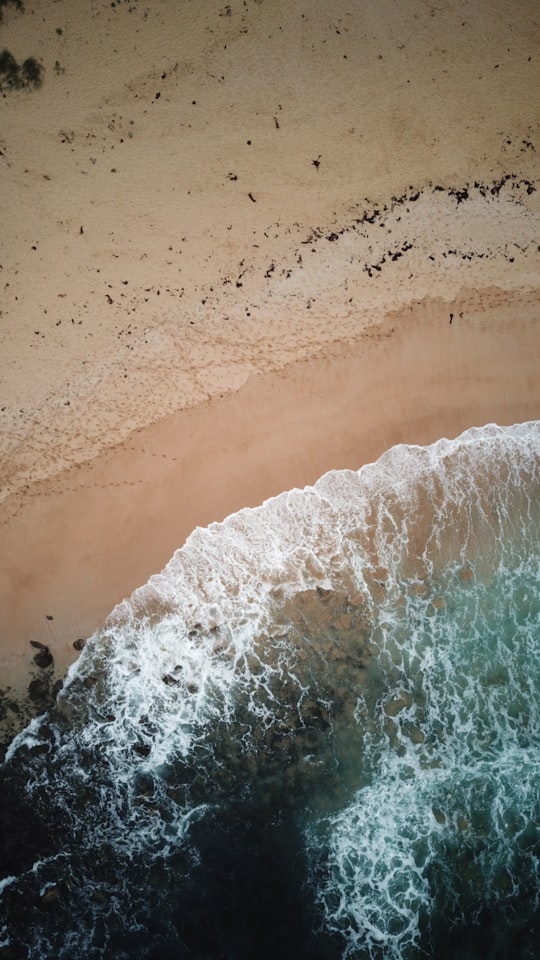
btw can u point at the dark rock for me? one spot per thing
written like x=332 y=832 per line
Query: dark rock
x=38 y=690
x=50 y=896
x=169 y=680
x=79 y=643
x=44 y=658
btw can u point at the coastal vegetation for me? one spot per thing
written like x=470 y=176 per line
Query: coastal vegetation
x=14 y=75
x=10 y=3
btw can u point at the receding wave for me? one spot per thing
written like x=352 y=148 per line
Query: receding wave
x=314 y=734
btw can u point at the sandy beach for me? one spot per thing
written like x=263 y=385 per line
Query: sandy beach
x=242 y=245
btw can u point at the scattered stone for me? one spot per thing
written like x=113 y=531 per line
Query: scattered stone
x=38 y=645
x=50 y=896
x=44 y=658
x=169 y=680
x=79 y=643
x=38 y=689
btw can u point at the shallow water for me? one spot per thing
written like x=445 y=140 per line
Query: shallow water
x=314 y=734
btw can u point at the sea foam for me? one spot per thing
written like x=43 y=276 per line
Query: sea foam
x=321 y=717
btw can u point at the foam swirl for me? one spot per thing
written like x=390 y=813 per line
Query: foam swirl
x=337 y=690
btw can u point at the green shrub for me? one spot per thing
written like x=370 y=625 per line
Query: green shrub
x=32 y=73
x=14 y=3
x=15 y=75
x=9 y=69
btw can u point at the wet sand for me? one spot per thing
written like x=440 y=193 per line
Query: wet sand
x=255 y=244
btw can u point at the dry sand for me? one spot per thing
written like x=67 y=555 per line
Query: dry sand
x=244 y=244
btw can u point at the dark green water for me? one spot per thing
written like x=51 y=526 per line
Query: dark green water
x=315 y=734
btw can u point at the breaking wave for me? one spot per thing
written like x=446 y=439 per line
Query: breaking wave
x=315 y=734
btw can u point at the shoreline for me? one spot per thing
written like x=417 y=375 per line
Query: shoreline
x=76 y=544
x=244 y=245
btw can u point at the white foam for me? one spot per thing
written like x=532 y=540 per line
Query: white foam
x=201 y=636
x=331 y=601
x=452 y=748
x=6 y=882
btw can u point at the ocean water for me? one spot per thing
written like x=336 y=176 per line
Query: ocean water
x=315 y=734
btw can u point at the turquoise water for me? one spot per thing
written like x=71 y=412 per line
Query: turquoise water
x=446 y=824
x=314 y=734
